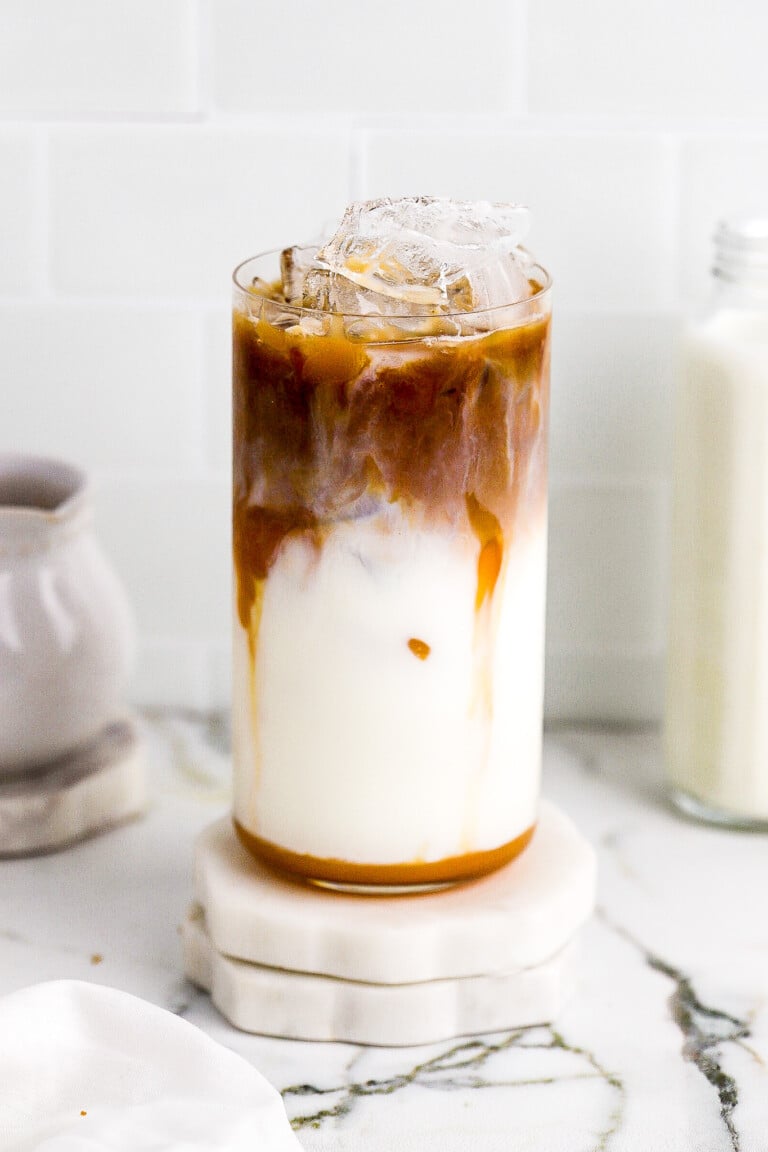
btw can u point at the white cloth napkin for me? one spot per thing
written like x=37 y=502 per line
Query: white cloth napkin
x=89 y=1069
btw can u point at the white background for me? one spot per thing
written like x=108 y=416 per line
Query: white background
x=148 y=145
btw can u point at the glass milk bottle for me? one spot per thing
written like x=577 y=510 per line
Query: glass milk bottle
x=717 y=690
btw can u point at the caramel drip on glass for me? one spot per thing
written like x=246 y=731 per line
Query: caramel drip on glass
x=488 y=531
x=257 y=534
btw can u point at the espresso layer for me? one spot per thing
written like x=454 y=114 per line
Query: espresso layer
x=451 y=429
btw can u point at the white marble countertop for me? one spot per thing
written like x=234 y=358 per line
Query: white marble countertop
x=663 y=1047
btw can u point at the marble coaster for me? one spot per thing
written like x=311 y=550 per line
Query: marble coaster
x=516 y=918
x=297 y=1006
x=77 y=796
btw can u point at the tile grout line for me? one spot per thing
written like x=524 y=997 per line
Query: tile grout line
x=202 y=60
x=43 y=213
x=519 y=21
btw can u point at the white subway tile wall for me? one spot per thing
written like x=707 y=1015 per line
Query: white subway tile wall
x=405 y=58
x=118 y=388
x=613 y=378
x=91 y=59
x=659 y=58
x=146 y=147
x=21 y=210
x=167 y=211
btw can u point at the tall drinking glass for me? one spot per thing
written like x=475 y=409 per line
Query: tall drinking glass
x=390 y=522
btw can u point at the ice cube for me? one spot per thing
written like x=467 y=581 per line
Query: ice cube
x=333 y=292
x=427 y=255
x=316 y=290
x=295 y=264
x=503 y=279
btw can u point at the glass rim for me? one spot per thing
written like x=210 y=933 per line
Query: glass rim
x=300 y=310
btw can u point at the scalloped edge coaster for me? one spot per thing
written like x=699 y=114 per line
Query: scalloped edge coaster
x=80 y=795
x=513 y=919
x=298 y=1006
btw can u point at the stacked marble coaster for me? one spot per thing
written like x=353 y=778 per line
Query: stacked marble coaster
x=286 y=959
x=89 y=791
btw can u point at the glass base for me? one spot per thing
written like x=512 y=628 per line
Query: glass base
x=383 y=879
x=698 y=809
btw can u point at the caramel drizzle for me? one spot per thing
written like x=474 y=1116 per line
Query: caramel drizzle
x=467 y=866
x=258 y=534
x=487 y=529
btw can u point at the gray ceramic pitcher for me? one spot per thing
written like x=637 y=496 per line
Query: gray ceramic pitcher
x=66 y=632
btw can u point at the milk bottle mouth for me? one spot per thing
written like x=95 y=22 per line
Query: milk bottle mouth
x=741 y=248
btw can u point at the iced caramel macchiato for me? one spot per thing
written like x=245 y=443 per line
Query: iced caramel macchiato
x=390 y=494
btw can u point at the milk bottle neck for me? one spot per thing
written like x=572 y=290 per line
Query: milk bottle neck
x=740 y=265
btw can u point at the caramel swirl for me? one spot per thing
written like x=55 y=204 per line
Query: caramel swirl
x=327 y=428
